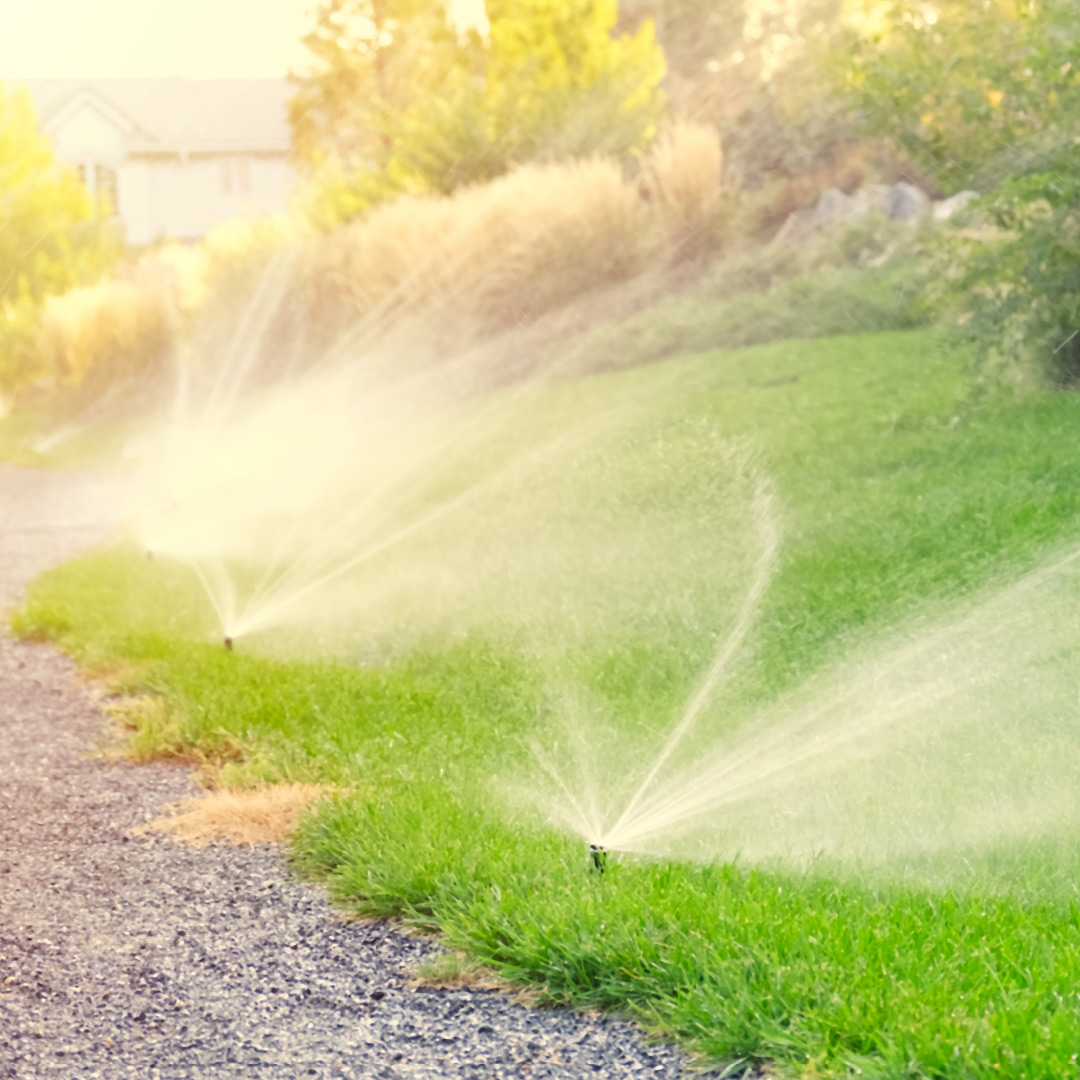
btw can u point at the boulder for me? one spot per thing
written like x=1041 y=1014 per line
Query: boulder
x=946 y=208
x=874 y=197
x=834 y=205
x=906 y=202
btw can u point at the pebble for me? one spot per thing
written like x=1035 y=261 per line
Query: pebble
x=128 y=955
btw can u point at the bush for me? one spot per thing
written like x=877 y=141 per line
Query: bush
x=682 y=174
x=51 y=236
x=102 y=334
x=1016 y=279
x=122 y=330
x=973 y=92
x=489 y=255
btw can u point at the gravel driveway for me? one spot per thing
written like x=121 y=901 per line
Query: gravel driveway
x=137 y=957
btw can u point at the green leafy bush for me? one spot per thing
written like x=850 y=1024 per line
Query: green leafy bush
x=987 y=96
x=1013 y=275
x=972 y=92
x=52 y=237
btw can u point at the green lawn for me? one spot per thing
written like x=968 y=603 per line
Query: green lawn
x=902 y=487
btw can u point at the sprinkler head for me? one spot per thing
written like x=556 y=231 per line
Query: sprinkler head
x=599 y=858
x=228 y=643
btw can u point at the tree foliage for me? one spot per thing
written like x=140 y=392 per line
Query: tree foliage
x=405 y=102
x=987 y=96
x=1015 y=274
x=370 y=60
x=973 y=92
x=51 y=235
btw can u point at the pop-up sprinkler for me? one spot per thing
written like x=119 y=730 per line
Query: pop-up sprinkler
x=599 y=857
x=228 y=643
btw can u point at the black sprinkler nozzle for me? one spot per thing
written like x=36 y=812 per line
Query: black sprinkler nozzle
x=599 y=857
x=228 y=643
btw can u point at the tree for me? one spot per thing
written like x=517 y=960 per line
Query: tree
x=987 y=96
x=694 y=34
x=549 y=80
x=51 y=235
x=370 y=60
x=972 y=92
x=552 y=82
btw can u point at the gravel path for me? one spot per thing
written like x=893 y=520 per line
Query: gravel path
x=136 y=957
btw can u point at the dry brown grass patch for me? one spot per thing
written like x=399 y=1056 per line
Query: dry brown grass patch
x=132 y=711
x=456 y=970
x=107 y=680
x=264 y=815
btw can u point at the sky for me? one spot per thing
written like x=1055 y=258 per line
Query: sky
x=129 y=38
x=135 y=38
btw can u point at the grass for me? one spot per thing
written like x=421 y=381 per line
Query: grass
x=902 y=482
x=34 y=440
x=730 y=314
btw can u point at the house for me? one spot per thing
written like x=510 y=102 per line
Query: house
x=173 y=156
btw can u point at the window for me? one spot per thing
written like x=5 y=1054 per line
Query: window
x=101 y=182
x=235 y=175
x=105 y=188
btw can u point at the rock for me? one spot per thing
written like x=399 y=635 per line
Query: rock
x=833 y=206
x=873 y=197
x=906 y=202
x=947 y=208
x=900 y=202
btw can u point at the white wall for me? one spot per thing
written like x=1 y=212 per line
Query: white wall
x=168 y=196
x=133 y=195
x=85 y=132
x=185 y=199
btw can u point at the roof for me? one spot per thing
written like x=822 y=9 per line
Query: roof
x=177 y=115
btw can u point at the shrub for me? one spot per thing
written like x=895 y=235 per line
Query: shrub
x=973 y=92
x=1017 y=279
x=101 y=334
x=124 y=329
x=682 y=174
x=51 y=235
x=491 y=254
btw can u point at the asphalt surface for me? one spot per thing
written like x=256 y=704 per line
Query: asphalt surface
x=133 y=956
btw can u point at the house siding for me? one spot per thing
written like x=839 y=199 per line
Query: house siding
x=185 y=199
x=175 y=192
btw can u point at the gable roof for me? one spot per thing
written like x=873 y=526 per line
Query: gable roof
x=176 y=115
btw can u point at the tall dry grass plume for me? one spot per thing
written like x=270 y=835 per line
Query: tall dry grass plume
x=683 y=176
x=112 y=330
x=496 y=252
x=451 y=268
x=126 y=327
